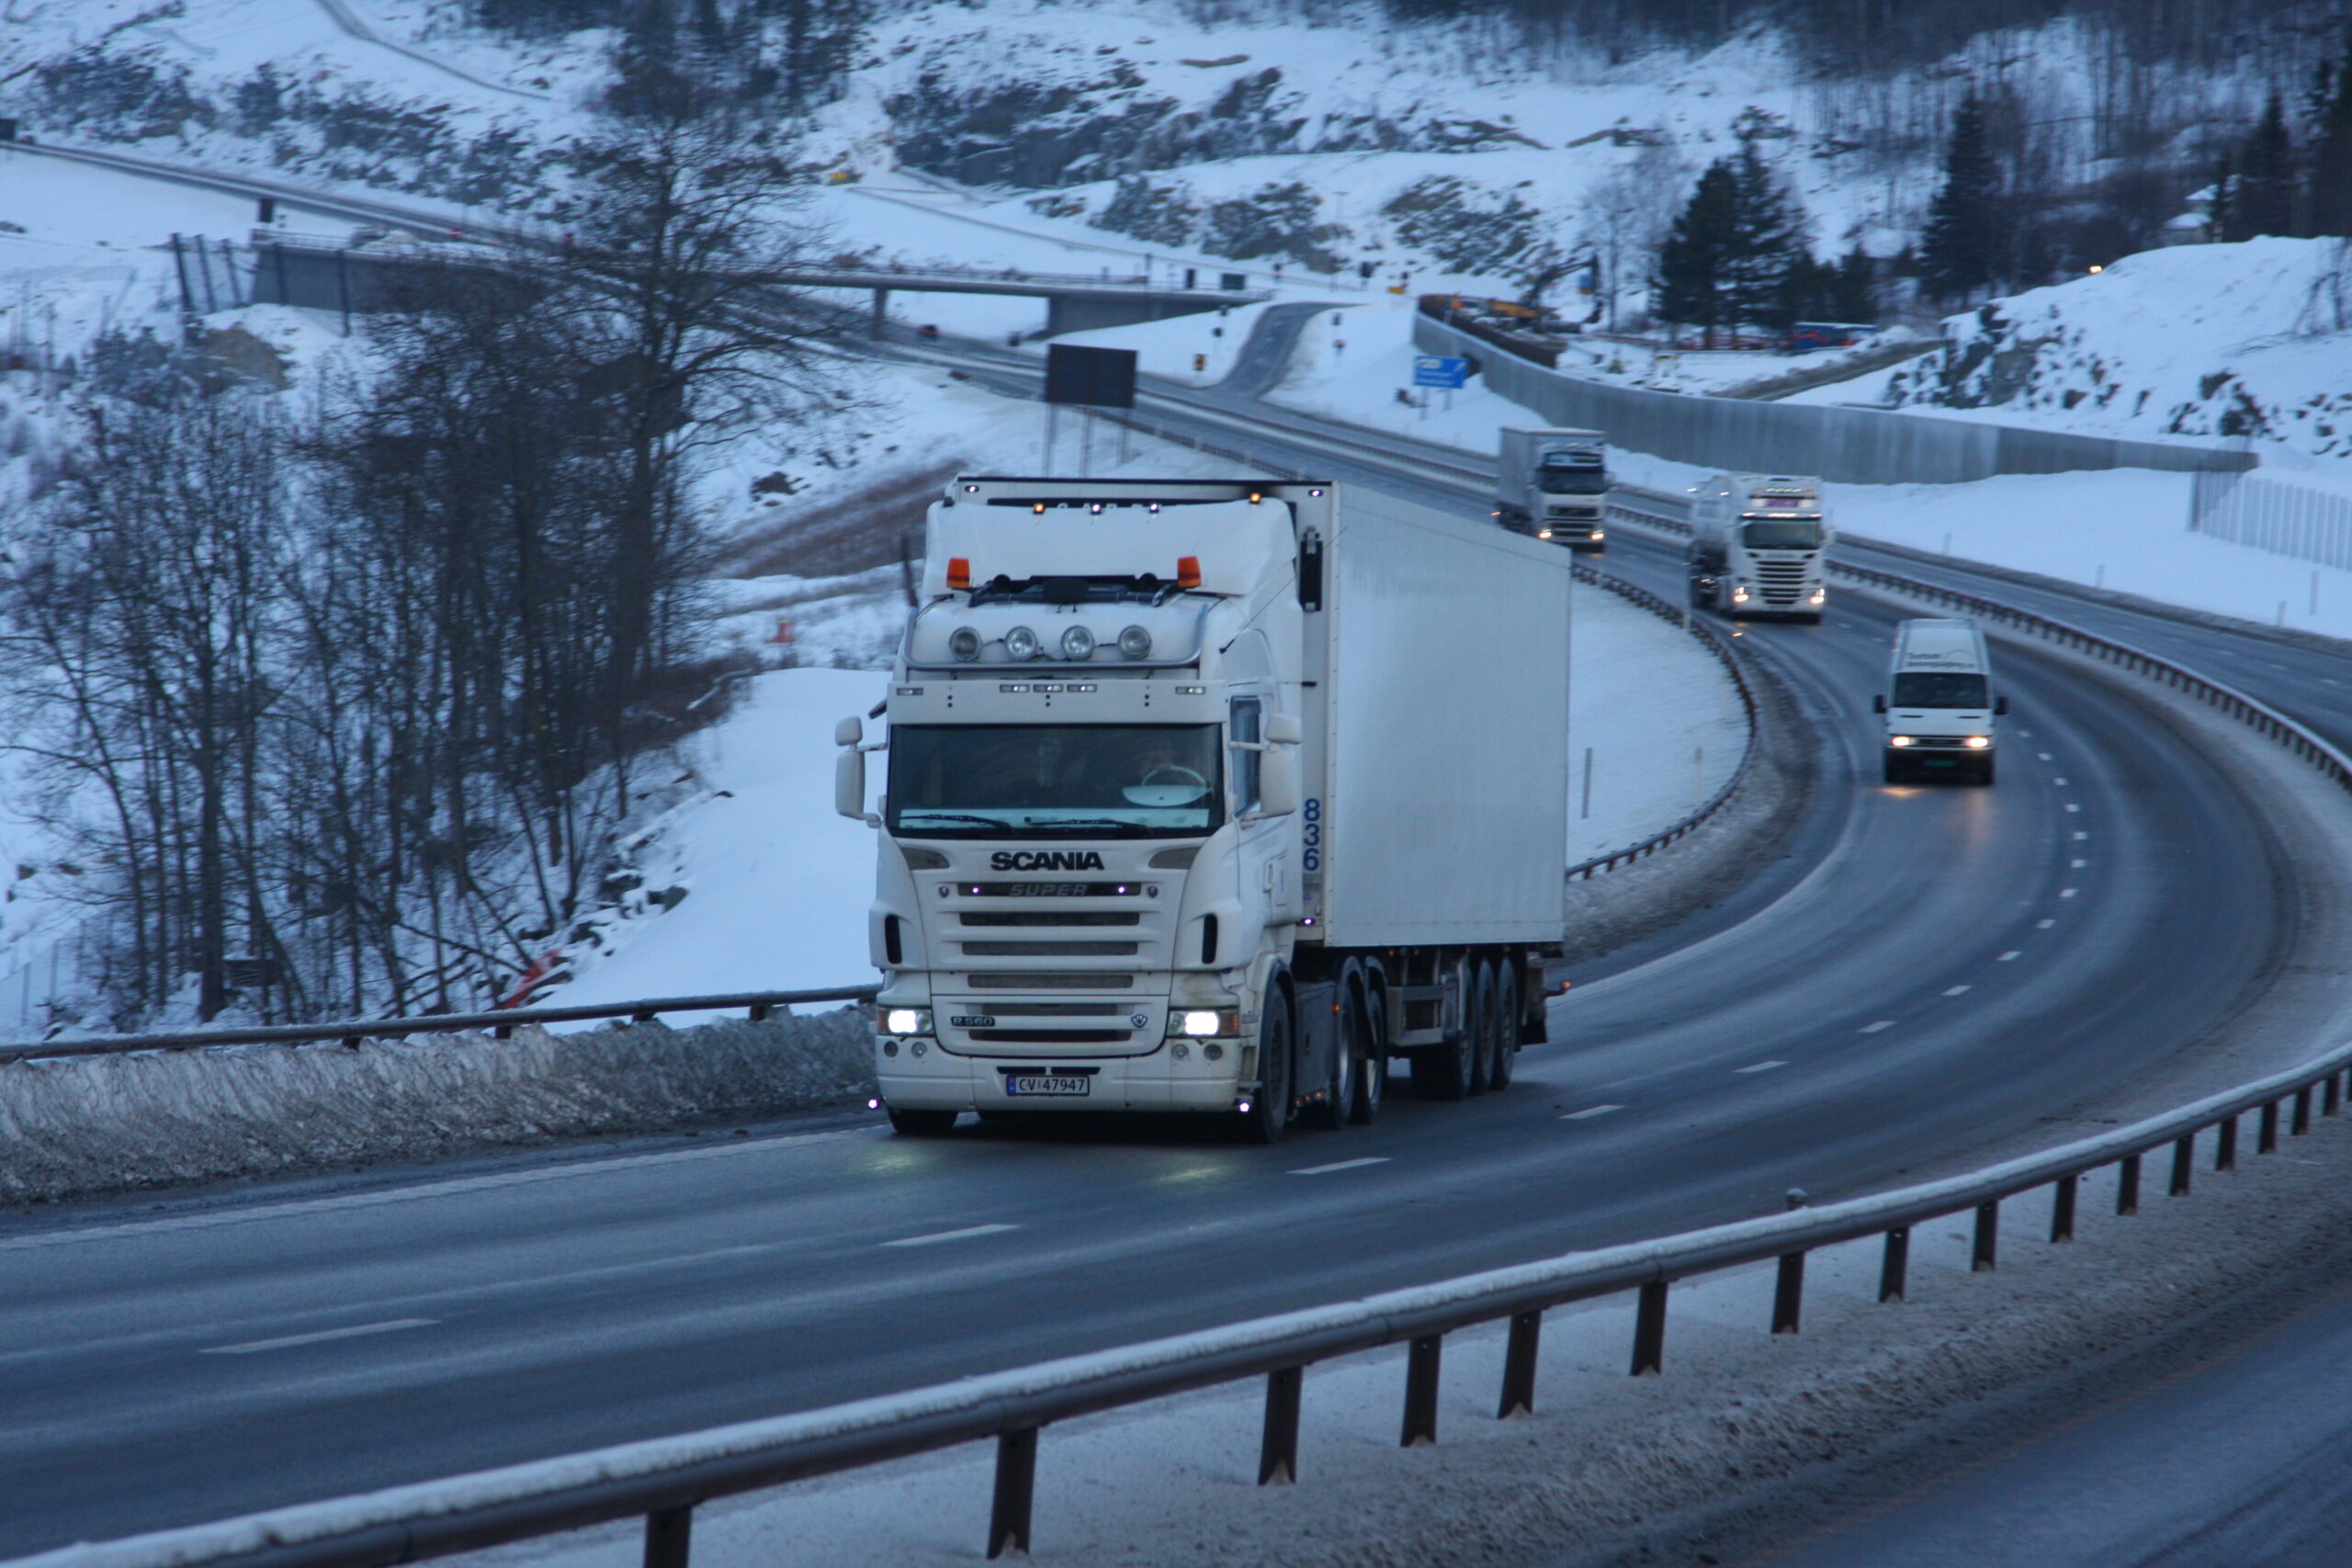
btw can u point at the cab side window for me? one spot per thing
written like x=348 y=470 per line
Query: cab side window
x=1243 y=728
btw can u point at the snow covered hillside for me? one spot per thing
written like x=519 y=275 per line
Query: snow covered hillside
x=2251 y=339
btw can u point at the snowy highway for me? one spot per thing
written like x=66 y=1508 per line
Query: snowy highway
x=1925 y=975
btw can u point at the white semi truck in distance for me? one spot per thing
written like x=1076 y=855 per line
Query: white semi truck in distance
x=1210 y=797
x=1553 y=484
x=1759 y=545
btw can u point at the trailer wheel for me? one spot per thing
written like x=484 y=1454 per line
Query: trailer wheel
x=1372 y=1077
x=1332 y=1112
x=1482 y=1026
x=1450 y=1071
x=922 y=1124
x=1269 y=1113
x=1506 y=1026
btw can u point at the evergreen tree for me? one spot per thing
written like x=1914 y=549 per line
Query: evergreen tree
x=1766 y=244
x=2328 y=195
x=1853 y=287
x=1693 y=265
x=2261 y=200
x=1960 y=250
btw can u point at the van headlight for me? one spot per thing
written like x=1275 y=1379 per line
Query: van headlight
x=1898 y=740
x=1977 y=742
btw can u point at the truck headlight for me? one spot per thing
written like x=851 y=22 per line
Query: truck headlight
x=1021 y=644
x=1977 y=742
x=1597 y=535
x=1078 y=644
x=964 y=643
x=1136 y=642
x=1739 y=595
x=1201 y=1022
x=906 y=1021
x=1820 y=595
x=1544 y=534
x=1898 y=740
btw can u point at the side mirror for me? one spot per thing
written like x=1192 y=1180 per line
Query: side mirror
x=849 y=781
x=1878 y=702
x=849 y=731
x=2000 y=705
x=1283 y=730
x=1277 y=783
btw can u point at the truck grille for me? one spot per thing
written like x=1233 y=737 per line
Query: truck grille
x=1782 y=581
x=1052 y=1037
x=1015 y=981
x=1052 y=918
x=1051 y=949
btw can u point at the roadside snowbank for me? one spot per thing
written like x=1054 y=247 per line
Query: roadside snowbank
x=1655 y=725
x=95 y=1123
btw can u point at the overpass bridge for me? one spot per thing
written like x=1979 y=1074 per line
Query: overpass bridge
x=272 y=267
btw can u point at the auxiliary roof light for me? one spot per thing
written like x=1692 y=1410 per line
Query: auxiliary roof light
x=1077 y=643
x=1136 y=642
x=959 y=573
x=964 y=643
x=1021 y=643
x=1188 y=571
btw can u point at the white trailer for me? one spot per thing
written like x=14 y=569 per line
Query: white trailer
x=1553 y=484
x=1211 y=796
x=1940 y=704
x=1759 y=545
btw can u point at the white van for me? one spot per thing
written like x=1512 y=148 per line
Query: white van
x=1940 y=704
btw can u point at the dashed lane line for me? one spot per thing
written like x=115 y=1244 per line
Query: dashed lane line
x=1761 y=1067
x=2007 y=956
x=1342 y=1164
x=967 y=1233
x=2066 y=893
x=288 y=1341
x=1590 y=1111
x=2043 y=925
x=1956 y=990
x=1874 y=1028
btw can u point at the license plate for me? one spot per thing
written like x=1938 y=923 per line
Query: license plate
x=1040 y=1084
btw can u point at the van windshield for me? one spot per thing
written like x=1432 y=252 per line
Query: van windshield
x=1782 y=536
x=1087 y=780
x=1921 y=689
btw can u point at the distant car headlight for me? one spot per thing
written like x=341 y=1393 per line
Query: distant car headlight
x=1898 y=740
x=1077 y=643
x=964 y=643
x=1021 y=643
x=1977 y=742
x=1136 y=642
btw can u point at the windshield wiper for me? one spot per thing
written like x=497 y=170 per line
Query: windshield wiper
x=1001 y=825
x=1085 y=822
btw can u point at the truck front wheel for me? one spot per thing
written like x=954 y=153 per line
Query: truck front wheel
x=1372 y=1073
x=1269 y=1109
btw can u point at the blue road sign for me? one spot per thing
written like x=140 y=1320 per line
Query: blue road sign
x=1438 y=370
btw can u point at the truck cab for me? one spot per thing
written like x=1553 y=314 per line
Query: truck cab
x=1554 y=485
x=1759 y=545
x=1939 y=705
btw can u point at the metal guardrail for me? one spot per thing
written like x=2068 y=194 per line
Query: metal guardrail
x=662 y=1481
x=758 y=1006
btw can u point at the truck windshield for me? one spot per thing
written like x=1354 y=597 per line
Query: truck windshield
x=1083 y=781
x=1553 y=479
x=1782 y=536
x=1921 y=689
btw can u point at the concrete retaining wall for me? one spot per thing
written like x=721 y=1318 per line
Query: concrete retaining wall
x=1850 y=446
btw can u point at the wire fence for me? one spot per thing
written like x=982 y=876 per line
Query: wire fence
x=2274 y=514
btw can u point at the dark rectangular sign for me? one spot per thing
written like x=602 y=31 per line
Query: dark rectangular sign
x=1098 y=377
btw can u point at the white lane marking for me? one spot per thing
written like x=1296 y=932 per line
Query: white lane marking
x=949 y=1235
x=2080 y=834
x=1342 y=1164
x=2066 y=893
x=2043 y=925
x=1956 y=990
x=2044 y=755
x=1874 y=1028
x=1761 y=1067
x=286 y=1342
x=2060 y=782
x=2007 y=956
x=2079 y=864
x=2072 y=807
x=1591 y=1111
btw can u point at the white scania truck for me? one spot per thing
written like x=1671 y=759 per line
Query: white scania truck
x=1210 y=797
x=1555 y=485
x=1759 y=545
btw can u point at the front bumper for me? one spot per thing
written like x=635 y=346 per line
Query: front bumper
x=941 y=1080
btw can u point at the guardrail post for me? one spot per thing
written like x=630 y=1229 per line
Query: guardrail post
x=2329 y=1101
x=668 y=1534
x=2183 y=1159
x=1895 y=1268
x=2265 y=1137
x=1278 y=1452
x=759 y=1012
x=2126 y=1185
x=1980 y=1257
x=2225 y=1149
x=1420 y=1391
x=1649 y=1330
x=643 y=1015
x=1016 y=1488
x=1518 y=1366
x=504 y=1031
x=1788 y=1293
x=2062 y=1207
x=2302 y=1123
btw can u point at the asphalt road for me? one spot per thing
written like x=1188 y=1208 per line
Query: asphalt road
x=1937 y=969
